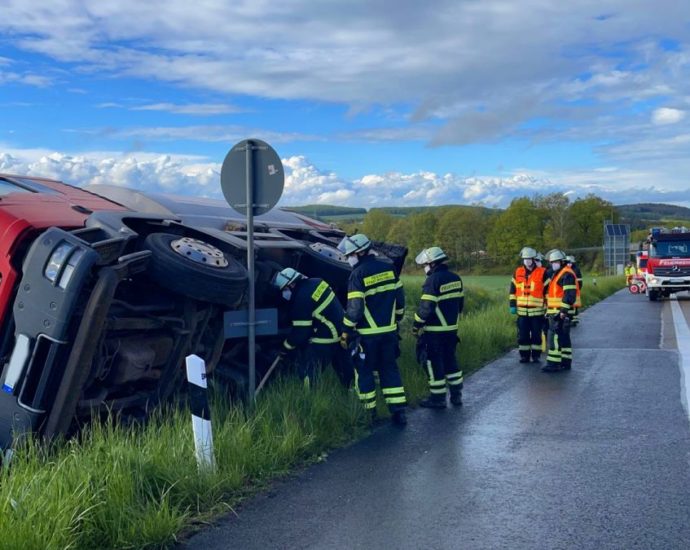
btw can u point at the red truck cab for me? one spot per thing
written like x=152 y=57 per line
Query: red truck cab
x=668 y=263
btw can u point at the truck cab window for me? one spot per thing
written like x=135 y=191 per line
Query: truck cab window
x=7 y=187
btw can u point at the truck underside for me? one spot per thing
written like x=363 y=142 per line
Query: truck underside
x=105 y=315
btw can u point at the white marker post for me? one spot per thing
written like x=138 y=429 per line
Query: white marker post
x=201 y=413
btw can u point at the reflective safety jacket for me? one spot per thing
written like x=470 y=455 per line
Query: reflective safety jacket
x=562 y=292
x=527 y=291
x=315 y=314
x=375 y=297
x=578 y=278
x=442 y=301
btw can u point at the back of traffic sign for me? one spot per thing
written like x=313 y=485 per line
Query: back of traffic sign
x=252 y=162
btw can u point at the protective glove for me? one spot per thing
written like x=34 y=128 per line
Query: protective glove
x=417 y=331
x=513 y=310
x=345 y=340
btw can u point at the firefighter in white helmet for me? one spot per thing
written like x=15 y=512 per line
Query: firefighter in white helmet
x=527 y=302
x=578 y=277
x=436 y=328
x=316 y=319
x=560 y=304
x=375 y=306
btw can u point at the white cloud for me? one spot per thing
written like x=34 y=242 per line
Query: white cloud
x=667 y=115
x=190 y=109
x=306 y=184
x=467 y=64
x=203 y=133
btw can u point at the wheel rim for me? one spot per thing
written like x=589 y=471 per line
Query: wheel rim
x=199 y=252
x=634 y=289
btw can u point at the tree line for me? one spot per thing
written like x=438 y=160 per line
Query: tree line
x=482 y=240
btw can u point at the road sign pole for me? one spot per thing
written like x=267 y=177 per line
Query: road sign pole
x=252 y=185
x=250 y=269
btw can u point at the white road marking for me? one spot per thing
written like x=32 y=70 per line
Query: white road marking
x=683 y=343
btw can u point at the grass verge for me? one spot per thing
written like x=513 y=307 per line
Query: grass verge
x=138 y=487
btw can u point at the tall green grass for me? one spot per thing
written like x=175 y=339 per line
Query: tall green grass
x=138 y=487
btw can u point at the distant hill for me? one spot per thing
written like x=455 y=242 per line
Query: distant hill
x=645 y=215
x=329 y=212
x=402 y=211
x=332 y=213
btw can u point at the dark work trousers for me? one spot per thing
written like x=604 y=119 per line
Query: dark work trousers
x=380 y=355
x=442 y=366
x=529 y=335
x=560 y=347
x=313 y=358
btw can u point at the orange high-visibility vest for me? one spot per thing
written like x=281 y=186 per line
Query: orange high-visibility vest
x=554 y=299
x=529 y=290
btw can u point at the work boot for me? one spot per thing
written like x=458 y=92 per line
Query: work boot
x=550 y=367
x=535 y=357
x=399 y=418
x=524 y=359
x=373 y=416
x=566 y=364
x=433 y=402
x=456 y=398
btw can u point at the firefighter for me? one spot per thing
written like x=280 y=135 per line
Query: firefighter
x=375 y=306
x=578 y=300
x=316 y=318
x=539 y=260
x=436 y=328
x=560 y=303
x=629 y=273
x=527 y=302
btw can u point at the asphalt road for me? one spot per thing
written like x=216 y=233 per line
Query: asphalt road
x=594 y=458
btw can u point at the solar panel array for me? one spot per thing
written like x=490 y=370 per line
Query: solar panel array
x=617 y=229
x=616 y=247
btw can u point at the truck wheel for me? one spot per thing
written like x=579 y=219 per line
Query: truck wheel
x=195 y=269
x=653 y=295
x=634 y=288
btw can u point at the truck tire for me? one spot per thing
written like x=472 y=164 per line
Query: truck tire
x=195 y=269
x=326 y=262
x=653 y=295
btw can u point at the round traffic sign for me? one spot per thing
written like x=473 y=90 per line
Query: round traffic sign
x=252 y=162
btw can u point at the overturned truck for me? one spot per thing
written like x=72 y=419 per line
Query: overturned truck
x=105 y=290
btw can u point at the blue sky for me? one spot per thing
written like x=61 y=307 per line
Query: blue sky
x=367 y=102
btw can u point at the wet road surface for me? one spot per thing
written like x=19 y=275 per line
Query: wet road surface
x=597 y=458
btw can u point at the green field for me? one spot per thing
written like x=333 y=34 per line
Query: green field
x=487 y=282
x=491 y=283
